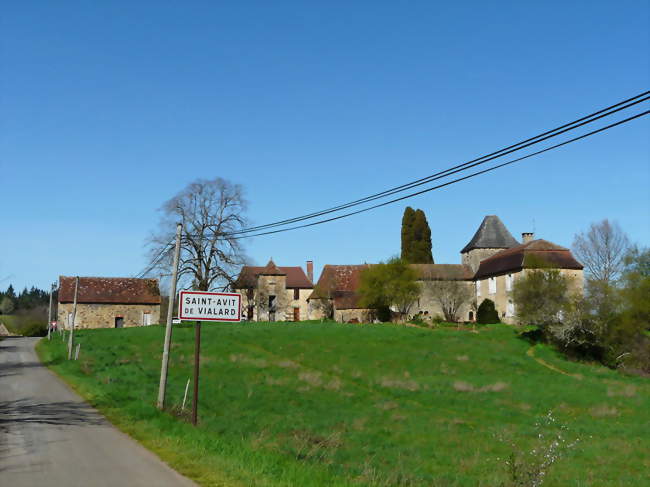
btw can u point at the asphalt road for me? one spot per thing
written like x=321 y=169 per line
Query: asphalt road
x=50 y=437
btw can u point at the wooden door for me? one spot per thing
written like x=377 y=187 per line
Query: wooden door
x=296 y=314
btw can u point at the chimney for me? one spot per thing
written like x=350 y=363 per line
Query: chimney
x=310 y=270
x=527 y=237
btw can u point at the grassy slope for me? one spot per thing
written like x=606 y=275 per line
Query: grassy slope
x=329 y=404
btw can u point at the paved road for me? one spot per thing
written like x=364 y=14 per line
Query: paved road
x=50 y=437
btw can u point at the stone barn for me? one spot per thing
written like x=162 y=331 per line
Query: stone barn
x=109 y=302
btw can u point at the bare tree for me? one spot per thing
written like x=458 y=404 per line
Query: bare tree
x=450 y=295
x=210 y=211
x=602 y=250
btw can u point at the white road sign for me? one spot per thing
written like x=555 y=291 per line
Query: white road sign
x=202 y=306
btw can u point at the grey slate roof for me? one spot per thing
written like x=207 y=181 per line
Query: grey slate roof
x=492 y=234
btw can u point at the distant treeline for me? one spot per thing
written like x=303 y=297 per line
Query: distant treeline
x=27 y=299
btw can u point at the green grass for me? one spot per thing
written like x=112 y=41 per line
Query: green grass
x=25 y=324
x=327 y=404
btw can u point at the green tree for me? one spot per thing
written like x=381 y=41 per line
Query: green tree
x=6 y=305
x=541 y=296
x=487 y=313
x=416 y=237
x=390 y=284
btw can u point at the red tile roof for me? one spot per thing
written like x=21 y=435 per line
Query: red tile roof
x=296 y=277
x=340 y=282
x=109 y=290
x=272 y=270
x=528 y=255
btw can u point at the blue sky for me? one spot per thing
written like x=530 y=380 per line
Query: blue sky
x=107 y=109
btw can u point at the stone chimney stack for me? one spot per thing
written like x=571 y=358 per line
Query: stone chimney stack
x=310 y=270
x=527 y=237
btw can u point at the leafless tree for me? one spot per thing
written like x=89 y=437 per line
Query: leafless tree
x=210 y=210
x=450 y=295
x=602 y=250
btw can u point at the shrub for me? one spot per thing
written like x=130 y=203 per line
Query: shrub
x=487 y=313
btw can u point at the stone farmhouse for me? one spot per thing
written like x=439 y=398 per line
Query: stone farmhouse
x=273 y=293
x=335 y=295
x=109 y=302
x=490 y=264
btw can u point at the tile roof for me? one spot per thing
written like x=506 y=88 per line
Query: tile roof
x=296 y=277
x=447 y=272
x=340 y=282
x=528 y=255
x=109 y=290
x=491 y=234
x=272 y=270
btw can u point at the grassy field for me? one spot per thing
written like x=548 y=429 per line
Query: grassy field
x=316 y=404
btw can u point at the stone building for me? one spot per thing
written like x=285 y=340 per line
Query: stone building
x=490 y=264
x=496 y=275
x=442 y=284
x=109 y=302
x=335 y=295
x=273 y=293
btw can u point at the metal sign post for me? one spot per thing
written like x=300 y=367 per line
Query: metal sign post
x=200 y=306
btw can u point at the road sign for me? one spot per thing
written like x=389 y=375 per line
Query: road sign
x=203 y=306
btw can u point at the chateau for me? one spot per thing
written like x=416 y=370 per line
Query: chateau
x=490 y=264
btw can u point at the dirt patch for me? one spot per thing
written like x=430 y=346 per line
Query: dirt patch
x=287 y=364
x=399 y=383
x=246 y=360
x=462 y=358
x=466 y=387
x=623 y=390
x=312 y=378
x=602 y=410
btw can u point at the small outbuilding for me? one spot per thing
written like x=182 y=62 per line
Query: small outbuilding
x=109 y=302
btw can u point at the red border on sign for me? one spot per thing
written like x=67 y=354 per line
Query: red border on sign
x=183 y=318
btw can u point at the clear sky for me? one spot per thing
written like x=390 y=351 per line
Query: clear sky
x=107 y=109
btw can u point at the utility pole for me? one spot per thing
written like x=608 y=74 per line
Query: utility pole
x=74 y=316
x=49 y=315
x=168 y=329
x=197 y=356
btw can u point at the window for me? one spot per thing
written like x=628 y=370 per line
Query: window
x=296 y=293
x=510 y=310
x=146 y=318
x=492 y=285
x=509 y=282
x=478 y=288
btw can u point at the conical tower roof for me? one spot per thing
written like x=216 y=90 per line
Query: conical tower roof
x=272 y=270
x=492 y=234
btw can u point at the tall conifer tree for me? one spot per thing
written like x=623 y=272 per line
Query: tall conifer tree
x=416 y=237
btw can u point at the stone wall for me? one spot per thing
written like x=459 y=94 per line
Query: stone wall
x=103 y=315
x=360 y=315
x=503 y=297
x=474 y=257
x=285 y=302
x=427 y=302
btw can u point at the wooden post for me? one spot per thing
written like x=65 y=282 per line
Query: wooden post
x=74 y=316
x=168 y=329
x=49 y=315
x=187 y=386
x=197 y=355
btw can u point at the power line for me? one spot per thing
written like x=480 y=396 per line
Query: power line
x=156 y=260
x=478 y=173
x=480 y=160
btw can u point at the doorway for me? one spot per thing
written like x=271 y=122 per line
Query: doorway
x=119 y=322
x=296 y=314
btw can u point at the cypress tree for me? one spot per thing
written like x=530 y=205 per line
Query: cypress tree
x=416 y=237
x=407 y=233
